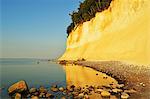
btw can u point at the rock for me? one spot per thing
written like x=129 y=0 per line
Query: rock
x=120 y=85
x=113 y=97
x=63 y=97
x=42 y=90
x=113 y=85
x=61 y=89
x=91 y=88
x=107 y=86
x=70 y=89
x=81 y=95
x=78 y=88
x=142 y=84
x=124 y=95
x=32 y=90
x=42 y=95
x=75 y=94
x=48 y=95
x=86 y=91
x=54 y=89
x=29 y=95
x=36 y=93
x=69 y=94
x=64 y=92
x=34 y=97
x=99 y=90
x=105 y=94
x=72 y=86
x=117 y=90
x=130 y=91
x=17 y=96
x=63 y=62
x=86 y=97
x=19 y=87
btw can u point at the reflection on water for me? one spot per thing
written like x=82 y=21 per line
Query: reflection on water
x=46 y=73
x=81 y=76
x=43 y=74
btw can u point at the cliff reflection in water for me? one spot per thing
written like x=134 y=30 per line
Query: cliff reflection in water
x=81 y=76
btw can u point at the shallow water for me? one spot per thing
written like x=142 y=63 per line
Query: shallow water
x=47 y=73
x=82 y=76
x=43 y=74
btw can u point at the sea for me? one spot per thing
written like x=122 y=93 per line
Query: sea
x=36 y=73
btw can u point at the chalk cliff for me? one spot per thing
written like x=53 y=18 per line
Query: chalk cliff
x=120 y=33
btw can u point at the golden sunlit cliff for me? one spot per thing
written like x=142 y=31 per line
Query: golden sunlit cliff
x=120 y=33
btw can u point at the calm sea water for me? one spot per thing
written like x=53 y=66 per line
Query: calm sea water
x=43 y=74
x=38 y=73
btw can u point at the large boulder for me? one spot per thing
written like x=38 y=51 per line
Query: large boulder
x=19 y=87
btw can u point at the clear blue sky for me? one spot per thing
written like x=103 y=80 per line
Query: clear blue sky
x=34 y=28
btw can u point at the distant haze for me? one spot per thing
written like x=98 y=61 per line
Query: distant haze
x=34 y=28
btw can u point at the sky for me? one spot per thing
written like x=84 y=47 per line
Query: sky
x=34 y=28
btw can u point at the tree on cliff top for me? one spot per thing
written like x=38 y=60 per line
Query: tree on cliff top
x=86 y=11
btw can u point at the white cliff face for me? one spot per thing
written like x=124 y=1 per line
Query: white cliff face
x=121 y=33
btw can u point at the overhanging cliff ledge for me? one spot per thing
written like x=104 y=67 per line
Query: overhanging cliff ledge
x=120 y=33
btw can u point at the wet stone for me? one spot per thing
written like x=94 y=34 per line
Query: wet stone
x=113 y=97
x=124 y=96
x=42 y=95
x=86 y=91
x=42 y=90
x=142 y=84
x=61 y=89
x=72 y=86
x=78 y=88
x=17 y=96
x=32 y=90
x=99 y=90
x=64 y=92
x=91 y=88
x=71 y=90
x=75 y=93
x=120 y=85
x=107 y=86
x=117 y=90
x=86 y=96
x=81 y=95
x=48 y=95
x=36 y=93
x=29 y=95
x=34 y=97
x=54 y=89
x=63 y=97
x=18 y=87
x=113 y=85
x=105 y=94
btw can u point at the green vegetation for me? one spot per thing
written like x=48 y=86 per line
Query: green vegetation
x=87 y=11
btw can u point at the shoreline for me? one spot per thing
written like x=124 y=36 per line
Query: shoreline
x=133 y=76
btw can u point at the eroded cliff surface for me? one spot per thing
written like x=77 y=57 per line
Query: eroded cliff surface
x=120 y=33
